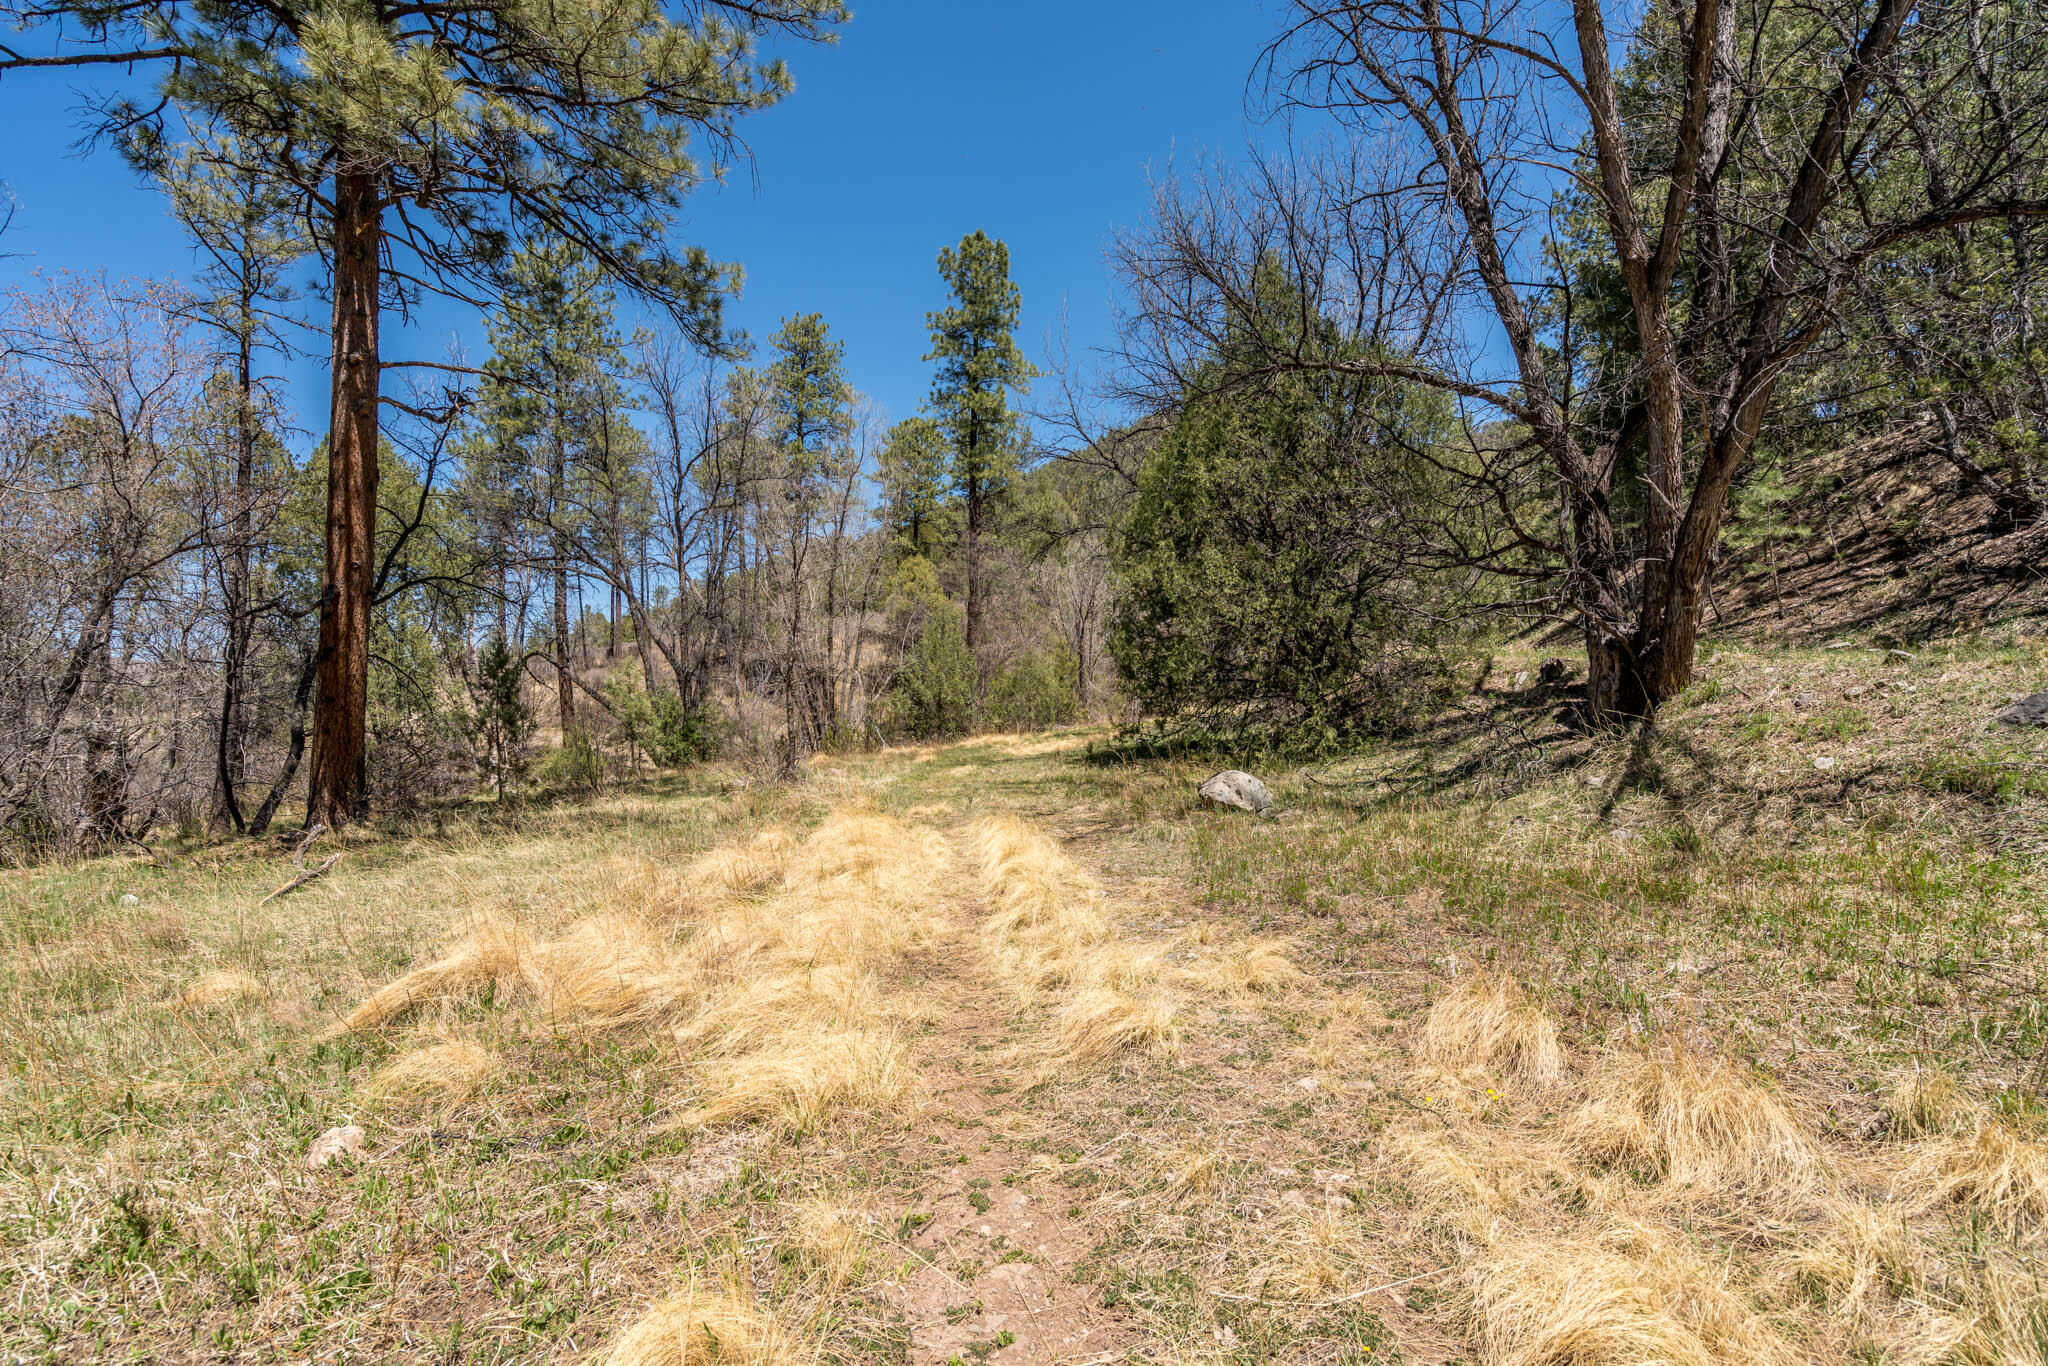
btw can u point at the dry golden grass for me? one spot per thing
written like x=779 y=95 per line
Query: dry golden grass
x=829 y=1240
x=1928 y=1102
x=1045 y=919
x=1539 y=1302
x=1693 y=1123
x=1866 y=1256
x=738 y=869
x=1254 y=966
x=1995 y=1173
x=1488 y=1021
x=1468 y=1182
x=775 y=994
x=1624 y=1297
x=1191 y=1171
x=2003 y=1317
x=1309 y=1258
x=1098 y=1021
x=700 y=1326
x=614 y=971
x=222 y=987
x=449 y=1072
x=795 y=1083
x=1047 y=933
x=494 y=950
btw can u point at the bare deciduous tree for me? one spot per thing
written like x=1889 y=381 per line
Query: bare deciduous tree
x=1434 y=146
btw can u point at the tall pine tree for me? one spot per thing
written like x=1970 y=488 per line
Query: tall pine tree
x=548 y=392
x=979 y=364
x=809 y=411
x=425 y=141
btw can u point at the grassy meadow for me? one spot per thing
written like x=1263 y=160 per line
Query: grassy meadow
x=1723 y=1042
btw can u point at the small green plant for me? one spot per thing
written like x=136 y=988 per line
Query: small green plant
x=577 y=762
x=683 y=734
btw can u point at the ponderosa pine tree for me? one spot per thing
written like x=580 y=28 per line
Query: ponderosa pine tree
x=913 y=476
x=548 y=392
x=809 y=416
x=974 y=342
x=425 y=141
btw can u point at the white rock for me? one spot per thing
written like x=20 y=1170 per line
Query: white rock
x=345 y=1140
x=1823 y=761
x=130 y=899
x=1234 y=787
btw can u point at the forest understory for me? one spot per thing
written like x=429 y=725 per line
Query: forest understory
x=1717 y=1042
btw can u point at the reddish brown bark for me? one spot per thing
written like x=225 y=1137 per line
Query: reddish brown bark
x=337 y=785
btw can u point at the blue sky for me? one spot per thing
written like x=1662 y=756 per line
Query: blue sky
x=929 y=119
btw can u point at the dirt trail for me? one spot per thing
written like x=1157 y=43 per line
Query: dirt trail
x=997 y=1238
x=1014 y=1235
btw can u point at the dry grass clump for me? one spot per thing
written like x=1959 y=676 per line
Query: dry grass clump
x=795 y=1083
x=1693 y=1123
x=1313 y=1258
x=1626 y=1298
x=827 y=1239
x=1473 y=1183
x=2003 y=1320
x=223 y=987
x=1045 y=920
x=494 y=950
x=1927 y=1103
x=613 y=972
x=739 y=869
x=1254 y=966
x=862 y=889
x=1996 y=1173
x=1047 y=931
x=1098 y=1021
x=1544 y=1303
x=699 y=1326
x=789 y=1003
x=1489 y=1021
x=779 y=992
x=1865 y=1256
x=1191 y=1171
x=451 y=1072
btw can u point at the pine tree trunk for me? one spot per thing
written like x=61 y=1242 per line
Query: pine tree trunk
x=338 y=784
x=973 y=548
x=565 y=690
x=231 y=749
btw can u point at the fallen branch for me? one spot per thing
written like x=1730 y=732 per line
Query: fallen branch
x=302 y=879
x=306 y=842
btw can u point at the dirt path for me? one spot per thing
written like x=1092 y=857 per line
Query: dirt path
x=997 y=1241
x=999 y=1244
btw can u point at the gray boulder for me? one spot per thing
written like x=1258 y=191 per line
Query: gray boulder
x=2028 y=711
x=1232 y=787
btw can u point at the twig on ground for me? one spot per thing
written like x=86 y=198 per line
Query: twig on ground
x=302 y=879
